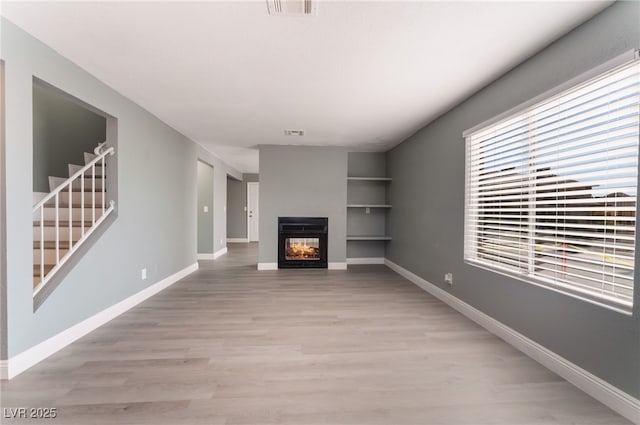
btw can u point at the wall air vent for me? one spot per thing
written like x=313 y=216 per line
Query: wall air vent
x=294 y=132
x=292 y=7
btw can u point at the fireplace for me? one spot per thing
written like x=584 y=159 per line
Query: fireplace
x=302 y=242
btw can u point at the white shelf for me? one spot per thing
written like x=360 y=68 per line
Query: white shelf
x=371 y=179
x=368 y=238
x=368 y=206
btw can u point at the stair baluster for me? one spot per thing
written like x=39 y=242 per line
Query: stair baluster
x=57 y=227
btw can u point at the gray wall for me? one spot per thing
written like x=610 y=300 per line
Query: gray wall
x=302 y=181
x=236 y=204
x=62 y=132
x=205 y=199
x=367 y=164
x=3 y=227
x=156 y=222
x=427 y=218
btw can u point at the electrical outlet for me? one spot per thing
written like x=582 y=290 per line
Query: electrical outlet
x=448 y=278
x=143 y=274
x=367 y=210
x=205 y=208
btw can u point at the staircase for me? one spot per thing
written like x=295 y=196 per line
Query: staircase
x=67 y=216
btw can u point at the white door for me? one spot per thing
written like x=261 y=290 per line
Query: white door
x=253 y=213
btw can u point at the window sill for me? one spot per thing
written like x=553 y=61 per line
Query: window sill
x=617 y=307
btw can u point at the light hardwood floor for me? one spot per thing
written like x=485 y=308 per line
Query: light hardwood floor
x=231 y=345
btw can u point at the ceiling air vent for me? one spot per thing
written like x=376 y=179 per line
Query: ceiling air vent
x=294 y=132
x=292 y=7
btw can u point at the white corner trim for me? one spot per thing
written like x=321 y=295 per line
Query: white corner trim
x=28 y=358
x=618 y=400
x=366 y=260
x=337 y=266
x=4 y=370
x=237 y=240
x=219 y=253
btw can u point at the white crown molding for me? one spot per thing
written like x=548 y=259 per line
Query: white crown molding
x=614 y=398
x=366 y=260
x=30 y=357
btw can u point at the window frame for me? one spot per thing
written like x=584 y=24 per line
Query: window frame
x=522 y=110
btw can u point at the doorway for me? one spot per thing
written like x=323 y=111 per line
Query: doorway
x=253 y=211
x=205 y=211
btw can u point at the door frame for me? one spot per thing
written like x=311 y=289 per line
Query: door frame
x=255 y=184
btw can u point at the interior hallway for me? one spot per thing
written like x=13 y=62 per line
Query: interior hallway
x=231 y=345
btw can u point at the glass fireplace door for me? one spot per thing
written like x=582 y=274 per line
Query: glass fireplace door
x=305 y=249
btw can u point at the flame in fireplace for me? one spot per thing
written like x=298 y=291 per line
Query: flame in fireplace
x=301 y=251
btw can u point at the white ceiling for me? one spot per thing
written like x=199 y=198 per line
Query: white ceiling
x=360 y=74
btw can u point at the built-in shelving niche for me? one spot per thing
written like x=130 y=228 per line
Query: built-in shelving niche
x=367 y=206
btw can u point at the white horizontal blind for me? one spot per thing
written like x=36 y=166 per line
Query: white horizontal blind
x=551 y=191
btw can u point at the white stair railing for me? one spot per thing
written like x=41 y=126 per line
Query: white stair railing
x=91 y=214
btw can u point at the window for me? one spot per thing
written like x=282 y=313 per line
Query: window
x=551 y=190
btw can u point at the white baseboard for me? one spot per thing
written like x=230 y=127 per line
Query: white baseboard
x=4 y=370
x=617 y=400
x=237 y=240
x=337 y=266
x=28 y=358
x=213 y=256
x=366 y=260
x=219 y=253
